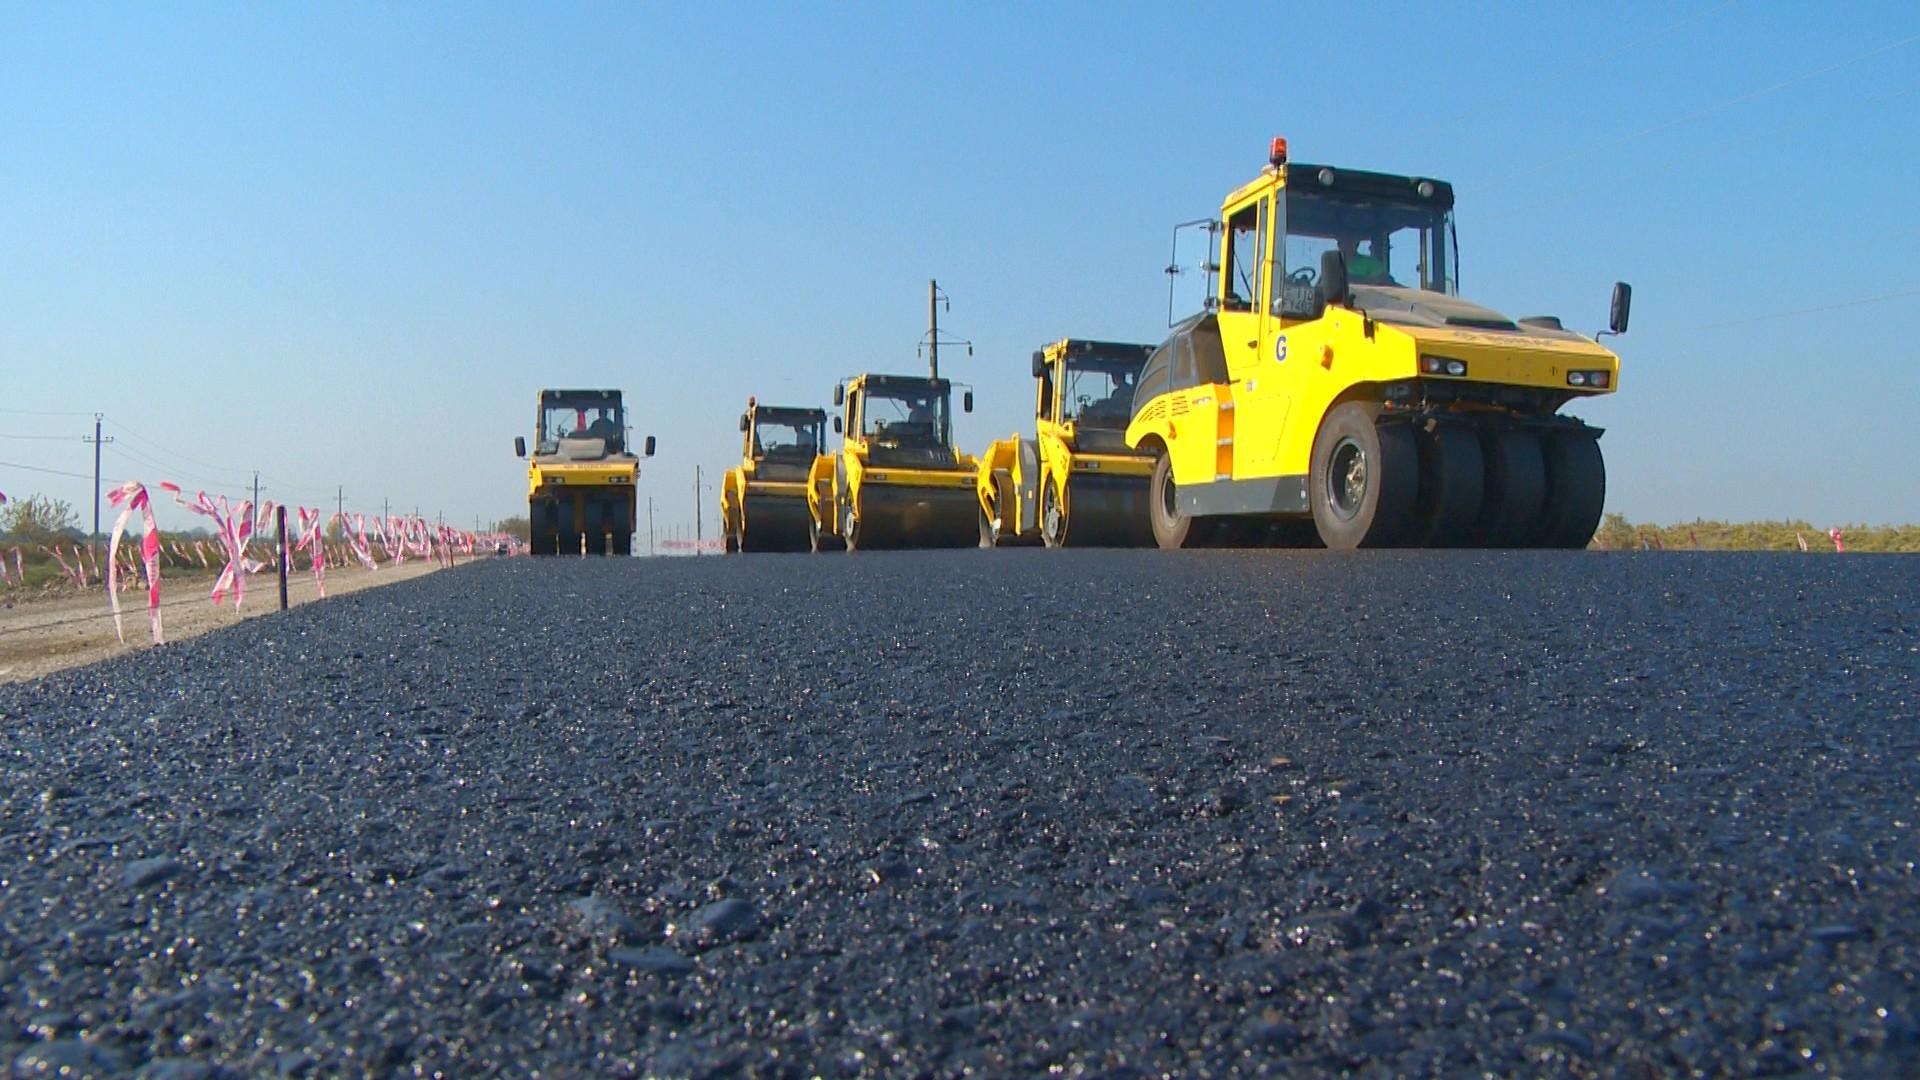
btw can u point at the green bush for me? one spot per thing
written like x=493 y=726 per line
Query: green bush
x=1616 y=533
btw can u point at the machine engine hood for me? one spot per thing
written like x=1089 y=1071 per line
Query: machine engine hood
x=1417 y=308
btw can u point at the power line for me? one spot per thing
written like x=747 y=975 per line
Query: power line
x=172 y=473
x=46 y=438
x=1698 y=114
x=41 y=412
x=1561 y=75
x=50 y=472
x=121 y=427
x=303 y=494
x=1900 y=294
x=1669 y=165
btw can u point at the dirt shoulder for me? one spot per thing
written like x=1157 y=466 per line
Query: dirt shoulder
x=42 y=635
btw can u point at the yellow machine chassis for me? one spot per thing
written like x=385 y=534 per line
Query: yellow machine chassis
x=593 y=502
x=860 y=505
x=1245 y=444
x=762 y=515
x=1100 y=496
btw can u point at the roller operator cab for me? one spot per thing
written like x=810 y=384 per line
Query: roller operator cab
x=897 y=481
x=580 y=480
x=1076 y=481
x=1337 y=377
x=763 y=500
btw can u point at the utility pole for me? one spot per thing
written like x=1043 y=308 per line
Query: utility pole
x=696 y=510
x=650 y=551
x=386 y=511
x=96 y=441
x=936 y=298
x=340 y=505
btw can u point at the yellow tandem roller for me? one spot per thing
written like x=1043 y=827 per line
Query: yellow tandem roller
x=1077 y=483
x=897 y=481
x=763 y=500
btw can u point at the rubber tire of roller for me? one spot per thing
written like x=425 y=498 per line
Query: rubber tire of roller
x=1171 y=529
x=1576 y=490
x=988 y=535
x=1516 y=488
x=1380 y=512
x=1052 y=497
x=596 y=524
x=1453 y=477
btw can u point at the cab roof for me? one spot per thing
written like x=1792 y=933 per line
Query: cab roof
x=789 y=412
x=1389 y=187
x=580 y=395
x=1354 y=183
x=900 y=382
x=1075 y=348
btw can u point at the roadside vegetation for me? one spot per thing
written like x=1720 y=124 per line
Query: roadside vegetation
x=1618 y=534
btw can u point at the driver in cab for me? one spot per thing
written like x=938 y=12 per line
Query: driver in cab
x=1368 y=268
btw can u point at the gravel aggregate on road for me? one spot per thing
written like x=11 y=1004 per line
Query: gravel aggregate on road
x=999 y=813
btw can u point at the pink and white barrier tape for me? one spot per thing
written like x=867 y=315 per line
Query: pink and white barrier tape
x=356 y=534
x=134 y=494
x=234 y=526
x=309 y=535
x=77 y=576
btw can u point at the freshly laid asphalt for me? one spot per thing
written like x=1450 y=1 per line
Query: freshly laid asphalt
x=998 y=813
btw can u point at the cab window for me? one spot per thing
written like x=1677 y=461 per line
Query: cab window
x=1246 y=236
x=1156 y=378
x=1183 y=373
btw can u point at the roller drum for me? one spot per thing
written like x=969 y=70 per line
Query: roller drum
x=774 y=523
x=1108 y=511
x=903 y=516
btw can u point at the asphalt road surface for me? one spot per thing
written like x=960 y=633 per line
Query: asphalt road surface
x=1110 y=813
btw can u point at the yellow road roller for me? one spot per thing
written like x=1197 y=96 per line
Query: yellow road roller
x=898 y=481
x=763 y=500
x=1076 y=482
x=1337 y=377
x=580 y=482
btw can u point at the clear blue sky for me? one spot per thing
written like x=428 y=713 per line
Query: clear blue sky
x=345 y=244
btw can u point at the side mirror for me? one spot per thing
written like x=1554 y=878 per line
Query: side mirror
x=1039 y=364
x=649 y=446
x=1333 y=278
x=743 y=421
x=1622 y=305
x=519 y=446
x=836 y=425
x=839 y=393
x=966 y=401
